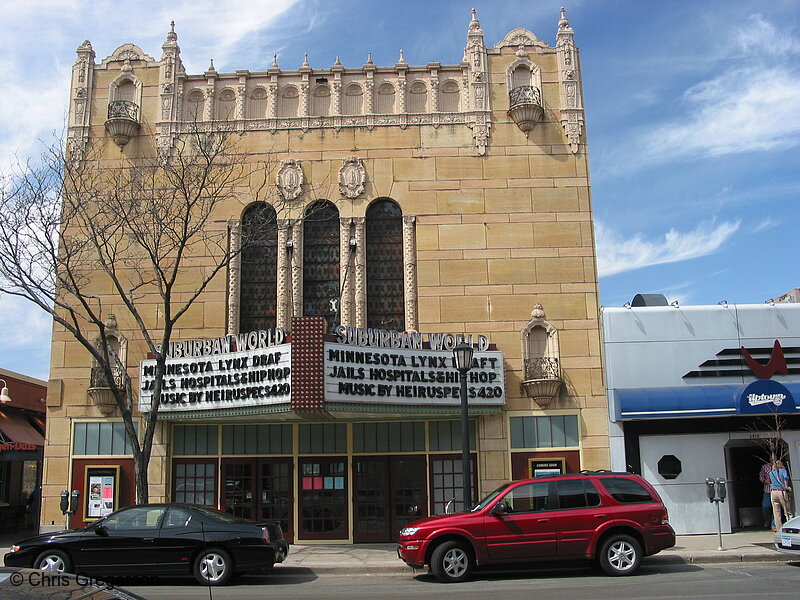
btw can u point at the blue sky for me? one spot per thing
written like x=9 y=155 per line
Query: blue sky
x=693 y=115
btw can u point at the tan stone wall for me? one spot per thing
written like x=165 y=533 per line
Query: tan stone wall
x=495 y=234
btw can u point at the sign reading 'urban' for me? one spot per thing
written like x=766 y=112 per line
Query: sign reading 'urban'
x=374 y=366
x=228 y=372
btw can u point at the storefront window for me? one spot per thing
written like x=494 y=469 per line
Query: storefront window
x=389 y=437
x=101 y=438
x=446 y=436
x=557 y=431
x=323 y=438
x=195 y=483
x=195 y=439
x=257 y=439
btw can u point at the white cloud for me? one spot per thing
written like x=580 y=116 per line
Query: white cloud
x=616 y=254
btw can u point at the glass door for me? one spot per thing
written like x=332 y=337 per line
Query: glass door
x=275 y=493
x=322 y=491
x=238 y=488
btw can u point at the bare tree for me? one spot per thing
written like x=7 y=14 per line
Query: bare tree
x=144 y=237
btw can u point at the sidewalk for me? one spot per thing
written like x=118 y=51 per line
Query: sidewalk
x=347 y=559
x=746 y=546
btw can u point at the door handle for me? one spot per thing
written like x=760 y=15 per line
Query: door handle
x=148 y=539
x=544 y=520
x=600 y=516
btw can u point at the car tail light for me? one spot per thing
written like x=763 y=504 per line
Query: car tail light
x=665 y=517
x=265 y=531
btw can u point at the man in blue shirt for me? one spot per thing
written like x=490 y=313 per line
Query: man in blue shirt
x=779 y=486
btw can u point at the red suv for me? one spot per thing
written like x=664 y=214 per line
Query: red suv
x=612 y=518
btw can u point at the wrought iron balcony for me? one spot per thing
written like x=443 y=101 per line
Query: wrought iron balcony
x=100 y=389
x=525 y=106
x=123 y=121
x=542 y=378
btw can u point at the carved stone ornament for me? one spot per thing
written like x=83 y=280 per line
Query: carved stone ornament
x=352 y=177
x=290 y=179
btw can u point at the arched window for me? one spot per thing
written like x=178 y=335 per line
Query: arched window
x=384 y=233
x=353 y=99
x=226 y=105
x=258 y=296
x=450 y=98
x=321 y=262
x=194 y=105
x=418 y=98
x=290 y=102
x=385 y=101
x=521 y=76
x=321 y=101
x=257 y=104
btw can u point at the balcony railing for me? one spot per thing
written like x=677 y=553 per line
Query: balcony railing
x=123 y=109
x=525 y=107
x=100 y=389
x=542 y=368
x=525 y=94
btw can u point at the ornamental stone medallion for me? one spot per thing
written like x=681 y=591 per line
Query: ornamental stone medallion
x=352 y=176
x=290 y=179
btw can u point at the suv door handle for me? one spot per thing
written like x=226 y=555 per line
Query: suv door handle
x=600 y=516
x=544 y=520
x=148 y=539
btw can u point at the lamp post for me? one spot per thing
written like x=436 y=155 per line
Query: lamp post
x=4 y=397
x=462 y=354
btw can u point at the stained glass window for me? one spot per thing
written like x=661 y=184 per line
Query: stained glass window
x=385 y=306
x=321 y=262
x=258 y=296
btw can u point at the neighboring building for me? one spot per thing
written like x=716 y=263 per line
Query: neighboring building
x=696 y=392
x=792 y=296
x=462 y=207
x=22 y=425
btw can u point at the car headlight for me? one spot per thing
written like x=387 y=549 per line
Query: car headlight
x=15 y=548
x=407 y=531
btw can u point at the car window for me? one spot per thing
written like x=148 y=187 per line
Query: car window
x=577 y=493
x=139 y=517
x=177 y=516
x=626 y=490
x=529 y=497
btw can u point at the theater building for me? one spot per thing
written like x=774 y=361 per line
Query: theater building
x=699 y=392
x=313 y=382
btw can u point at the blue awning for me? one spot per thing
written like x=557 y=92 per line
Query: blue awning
x=688 y=401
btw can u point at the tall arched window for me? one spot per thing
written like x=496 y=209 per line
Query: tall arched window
x=450 y=98
x=417 y=98
x=226 y=105
x=290 y=101
x=257 y=105
x=259 y=291
x=194 y=105
x=385 y=101
x=385 y=305
x=321 y=101
x=321 y=261
x=353 y=99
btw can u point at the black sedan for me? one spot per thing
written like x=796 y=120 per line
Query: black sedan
x=157 y=539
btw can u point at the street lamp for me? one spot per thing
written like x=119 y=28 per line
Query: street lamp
x=4 y=397
x=462 y=354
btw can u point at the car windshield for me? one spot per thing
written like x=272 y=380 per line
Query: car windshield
x=489 y=497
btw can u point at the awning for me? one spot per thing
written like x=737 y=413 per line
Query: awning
x=17 y=428
x=688 y=401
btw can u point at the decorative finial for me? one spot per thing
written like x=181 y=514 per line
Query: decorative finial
x=211 y=66
x=563 y=13
x=275 y=61
x=171 y=35
x=305 y=59
x=474 y=24
x=402 y=58
x=369 y=58
x=337 y=63
x=563 y=23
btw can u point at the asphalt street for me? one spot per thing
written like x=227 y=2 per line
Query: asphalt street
x=679 y=582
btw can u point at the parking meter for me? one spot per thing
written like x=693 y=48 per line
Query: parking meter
x=710 y=491
x=64 y=505
x=721 y=488
x=73 y=501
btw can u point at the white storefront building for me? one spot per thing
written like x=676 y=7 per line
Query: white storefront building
x=696 y=392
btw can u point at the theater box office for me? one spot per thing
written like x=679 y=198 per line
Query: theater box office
x=702 y=391
x=429 y=203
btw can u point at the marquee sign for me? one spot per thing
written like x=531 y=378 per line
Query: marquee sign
x=203 y=376
x=765 y=396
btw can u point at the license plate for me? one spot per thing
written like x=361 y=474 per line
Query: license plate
x=786 y=542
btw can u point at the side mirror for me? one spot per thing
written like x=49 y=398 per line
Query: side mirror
x=500 y=509
x=101 y=531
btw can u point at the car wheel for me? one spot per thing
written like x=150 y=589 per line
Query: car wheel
x=53 y=561
x=451 y=562
x=620 y=555
x=213 y=567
